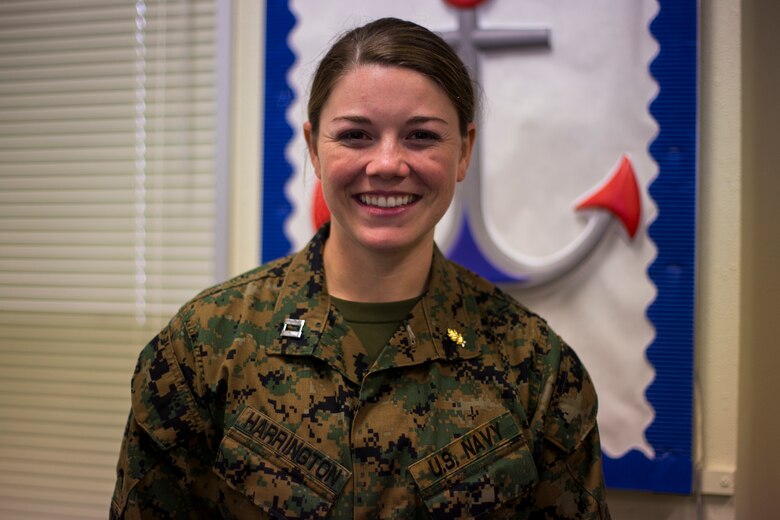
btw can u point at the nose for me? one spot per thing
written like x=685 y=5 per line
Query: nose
x=388 y=159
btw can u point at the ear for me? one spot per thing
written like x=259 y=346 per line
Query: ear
x=467 y=147
x=311 y=144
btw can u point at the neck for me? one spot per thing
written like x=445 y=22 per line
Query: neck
x=356 y=274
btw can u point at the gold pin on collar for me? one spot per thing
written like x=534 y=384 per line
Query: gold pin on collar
x=456 y=337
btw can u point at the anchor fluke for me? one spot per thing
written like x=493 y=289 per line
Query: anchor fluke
x=620 y=196
x=320 y=213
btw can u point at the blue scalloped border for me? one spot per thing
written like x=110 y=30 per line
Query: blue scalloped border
x=674 y=269
x=277 y=132
x=674 y=230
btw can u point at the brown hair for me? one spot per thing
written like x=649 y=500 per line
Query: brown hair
x=395 y=43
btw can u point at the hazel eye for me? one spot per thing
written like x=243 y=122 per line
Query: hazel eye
x=353 y=135
x=423 y=135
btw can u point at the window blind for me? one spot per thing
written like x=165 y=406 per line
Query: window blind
x=106 y=226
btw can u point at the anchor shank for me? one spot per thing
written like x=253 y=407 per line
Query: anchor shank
x=494 y=39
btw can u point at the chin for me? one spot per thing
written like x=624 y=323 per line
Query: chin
x=395 y=240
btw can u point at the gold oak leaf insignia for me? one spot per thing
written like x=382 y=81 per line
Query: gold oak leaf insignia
x=456 y=337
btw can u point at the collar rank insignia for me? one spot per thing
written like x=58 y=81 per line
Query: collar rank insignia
x=292 y=328
x=456 y=337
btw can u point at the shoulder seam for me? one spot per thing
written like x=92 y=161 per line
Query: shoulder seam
x=255 y=275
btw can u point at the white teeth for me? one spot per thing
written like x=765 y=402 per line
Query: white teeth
x=386 y=202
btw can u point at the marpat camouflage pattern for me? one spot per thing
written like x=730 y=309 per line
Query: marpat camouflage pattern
x=233 y=419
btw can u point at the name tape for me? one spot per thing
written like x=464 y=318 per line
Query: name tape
x=474 y=446
x=292 y=448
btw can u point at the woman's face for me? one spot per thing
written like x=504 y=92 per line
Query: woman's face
x=388 y=154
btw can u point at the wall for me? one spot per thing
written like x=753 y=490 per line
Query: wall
x=245 y=129
x=759 y=425
x=719 y=330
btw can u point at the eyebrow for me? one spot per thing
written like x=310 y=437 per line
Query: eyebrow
x=414 y=120
x=426 y=119
x=352 y=119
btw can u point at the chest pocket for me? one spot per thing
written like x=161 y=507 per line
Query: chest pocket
x=475 y=475
x=277 y=470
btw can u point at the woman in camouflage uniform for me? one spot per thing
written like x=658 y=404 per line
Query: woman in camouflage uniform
x=366 y=376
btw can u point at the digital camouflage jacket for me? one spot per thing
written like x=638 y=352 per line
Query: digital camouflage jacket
x=256 y=402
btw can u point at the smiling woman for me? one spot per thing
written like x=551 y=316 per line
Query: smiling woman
x=366 y=376
x=388 y=154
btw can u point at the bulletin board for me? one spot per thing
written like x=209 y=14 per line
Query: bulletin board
x=602 y=121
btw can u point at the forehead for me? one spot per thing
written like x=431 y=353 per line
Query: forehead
x=379 y=86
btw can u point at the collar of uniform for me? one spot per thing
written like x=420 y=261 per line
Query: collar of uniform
x=446 y=305
x=302 y=297
x=449 y=305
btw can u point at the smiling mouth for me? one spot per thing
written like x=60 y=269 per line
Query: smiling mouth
x=381 y=201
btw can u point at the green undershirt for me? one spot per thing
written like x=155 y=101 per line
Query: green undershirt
x=374 y=323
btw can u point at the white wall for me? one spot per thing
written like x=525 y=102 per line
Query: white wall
x=245 y=150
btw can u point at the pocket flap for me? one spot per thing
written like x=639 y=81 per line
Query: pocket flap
x=478 y=472
x=278 y=470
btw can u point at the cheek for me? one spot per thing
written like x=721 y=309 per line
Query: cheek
x=334 y=179
x=335 y=169
x=444 y=172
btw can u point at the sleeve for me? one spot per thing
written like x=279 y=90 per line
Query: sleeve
x=159 y=453
x=571 y=482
